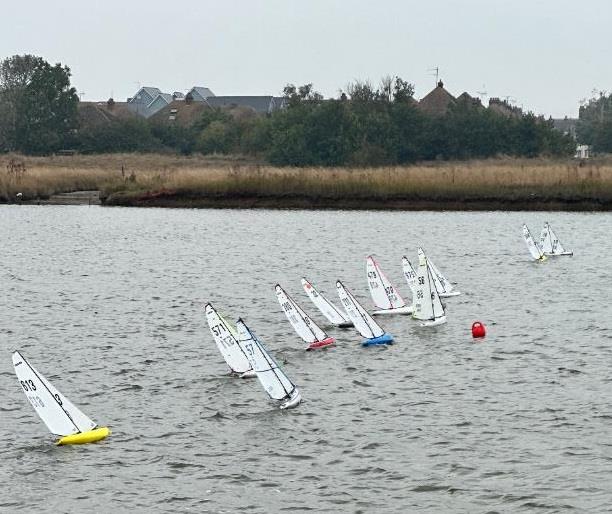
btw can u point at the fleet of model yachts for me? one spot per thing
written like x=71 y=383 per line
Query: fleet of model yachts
x=246 y=356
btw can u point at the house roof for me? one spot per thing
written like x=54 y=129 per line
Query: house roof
x=151 y=91
x=167 y=97
x=204 y=92
x=566 y=125
x=260 y=104
x=437 y=102
x=180 y=112
x=469 y=100
x=505 y=108
x=100 y=113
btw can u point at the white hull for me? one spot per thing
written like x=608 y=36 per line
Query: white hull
x=558 y=254
x=248 y=374
x=433 y=323
x=408 y=309
x=293 y=401
x=448 y=295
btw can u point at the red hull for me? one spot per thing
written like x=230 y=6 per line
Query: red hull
x=321 y=344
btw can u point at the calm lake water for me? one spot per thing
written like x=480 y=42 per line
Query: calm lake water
x=108 y=304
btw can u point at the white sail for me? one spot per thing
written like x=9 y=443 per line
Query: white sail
x=274 y=381
x=306 y=328
x=443 y=285
x=383 y=293
x=557 y=247
x=427 y=304
x=409 y=274
x=226 y=340
x=534 y=249
x=364 y=323
x=545 y=239
x=60 y=415
x=327 y=308
x=549 y=242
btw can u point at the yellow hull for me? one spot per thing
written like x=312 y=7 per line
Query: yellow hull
x=91 y=436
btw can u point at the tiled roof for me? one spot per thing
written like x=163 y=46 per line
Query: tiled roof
x=437 y=101
x=260 y=104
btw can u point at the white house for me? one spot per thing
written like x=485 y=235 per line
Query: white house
x=583 y=152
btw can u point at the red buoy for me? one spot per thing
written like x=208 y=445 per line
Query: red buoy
x=478 y=329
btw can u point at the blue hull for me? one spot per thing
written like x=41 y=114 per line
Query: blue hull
x=384 y=339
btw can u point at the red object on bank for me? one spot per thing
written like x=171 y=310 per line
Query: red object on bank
x=478 y=329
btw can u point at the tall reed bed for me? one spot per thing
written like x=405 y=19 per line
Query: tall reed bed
x=134 y=175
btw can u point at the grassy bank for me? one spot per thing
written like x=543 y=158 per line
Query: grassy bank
x=172 y=181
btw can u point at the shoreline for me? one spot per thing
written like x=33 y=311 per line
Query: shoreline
x=171 y=181
x=300 y=202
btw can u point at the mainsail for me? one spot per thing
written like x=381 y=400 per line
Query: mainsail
x=364 y=323
x=427 y=304
x=534 y=249
x=549 y=242
x=383 y=293
x=60 y=415
x=306 y=328
x=328 y=309
x=272 y=378
x=409 y=274
x=443 y=285
x=226 y=340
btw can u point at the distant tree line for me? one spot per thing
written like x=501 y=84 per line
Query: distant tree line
x=364 y=126
x=595 y=123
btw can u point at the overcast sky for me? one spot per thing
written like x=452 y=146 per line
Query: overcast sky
x=545 y=55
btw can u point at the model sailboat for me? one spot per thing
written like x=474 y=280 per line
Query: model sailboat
x=305 y=327
x=444 y=287
x=226 y=340
x=270 y=375
x=428 y=307
x=550 y=244
x=535 y=251
x=61 y=416
x=384 y=294
x=364 y=323
x=334 y=315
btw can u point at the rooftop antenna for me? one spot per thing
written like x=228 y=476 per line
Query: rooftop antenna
x=436 y=74
x=509 y=99
x=482 y=94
